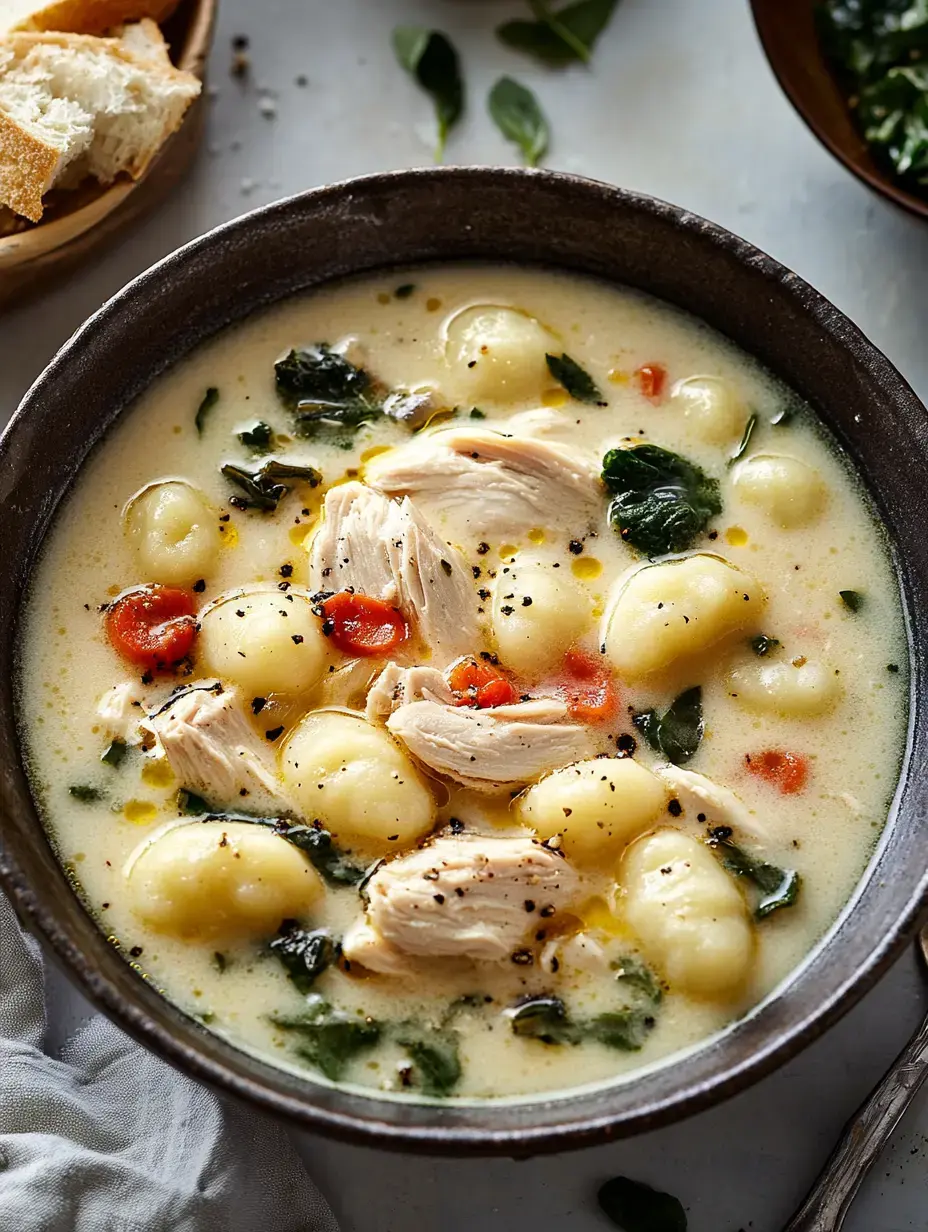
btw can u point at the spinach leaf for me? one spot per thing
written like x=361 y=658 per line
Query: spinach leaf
x=744 y=442
x=429 y=57
x=85 y=793
x=636 y=1207
x=264 y=488
x=559 y=38
x=678 y=732
x=544 y=1018
x=662 y=502
x=325 y=391
x=624 y=1030
x=578 y=383
x=516 y=113
x=779 y=887
x=190 y=802
x=762 y=644
x=853 y=600
x=405 y=290
x=304 y=954
x=329 y=1038
x=323 y=853
x=210 y=398
x=114 y=754
x=782 y=417
x=258 y=437
x=435 y=1054
x=893 y=114
x=632 y=973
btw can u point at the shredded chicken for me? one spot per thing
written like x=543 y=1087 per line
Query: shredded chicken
x=396 y=686
x=477 y=897
x=497 y=485
x=719 y=805
x=213 y=750
x=387 y=549
x=491 y=749
x=120 y=711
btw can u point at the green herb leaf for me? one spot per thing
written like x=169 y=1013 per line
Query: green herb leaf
x=578 y=383
x=329 y=1038
x=636 y=1207
x=662 y=501
x=762 y=644
x=476 y=413
x=560 y=38
x=779 y=887
x=325 y=391
x=258 y=437
x=516 y=113
x=210 y=398
x=632 y=973
x=265 y=488
x=220 y=962
x=893 y=114
x=327 y=858
x=85 y=793
x=190 y=802
x=781 y=418
x=115 y=753
x=435 y=1055
x=678 y=732
x=404 y=291
x=624 y=1030
x=853 y=600
x=430 y=58
x=543 y=1018
x=744 y=442
x=866 y=37
x=304 y=954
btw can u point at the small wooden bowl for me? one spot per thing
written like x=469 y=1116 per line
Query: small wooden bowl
x=80 y=220
x=787 y=33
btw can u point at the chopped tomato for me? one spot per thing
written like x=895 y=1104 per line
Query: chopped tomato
x=590 y=689
x=363 y=625
x=786 y=771
x=153 y=626
x=651 y=379
x=481 y=685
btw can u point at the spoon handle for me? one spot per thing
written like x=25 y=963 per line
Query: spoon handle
x=864 y=1136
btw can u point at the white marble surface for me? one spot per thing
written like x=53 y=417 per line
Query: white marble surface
x=680 y=103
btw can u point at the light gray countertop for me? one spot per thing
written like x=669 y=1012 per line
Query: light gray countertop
x=680 y=103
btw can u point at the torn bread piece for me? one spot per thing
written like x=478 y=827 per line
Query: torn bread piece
x=80 y=16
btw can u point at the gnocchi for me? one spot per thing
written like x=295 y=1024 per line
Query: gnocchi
x=670 y=612
x=174 y=532
x=595 y=807
x=356 y=780
x=711 y=406
x=498 y=353
x=221 y=881
x=688 y=914
x=790 y=492
x=537 y=615
x=793 y=689
x=266 y=641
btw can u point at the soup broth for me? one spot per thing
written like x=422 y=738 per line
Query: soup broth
x=465 y=682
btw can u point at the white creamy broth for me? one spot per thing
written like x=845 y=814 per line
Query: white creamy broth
x=540 y=633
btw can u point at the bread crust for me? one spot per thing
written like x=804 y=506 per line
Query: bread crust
x=95 y=16
x=27 y=168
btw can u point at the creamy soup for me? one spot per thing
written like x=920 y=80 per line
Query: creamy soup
x=466 y=682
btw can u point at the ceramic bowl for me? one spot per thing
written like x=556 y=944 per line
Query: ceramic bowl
x=448 y=215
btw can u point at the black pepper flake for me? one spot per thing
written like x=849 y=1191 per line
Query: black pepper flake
x=626 y=744
x=700 y=817
x=674 y=808
x=391 y=838
x=530 y=904
x=147 y=678
x=482 y=549
x=476 y=570
x=459 y=892
x=485 y=594
x=286 y=571
x=439 y=898
x=575 y=546
x=546 y=912
x=225 y=517
x=239 y=612
x=328 y=627
x=136 y=951
x=892 y=667
x=713 y=534
x=296 y=638
x=489 y=657
x=275 y=733
x=446 y=567
x=507 y=609
x=523 y=958
x=526 y=601
x=200 y=586
x=455 y=825
x=258 y=704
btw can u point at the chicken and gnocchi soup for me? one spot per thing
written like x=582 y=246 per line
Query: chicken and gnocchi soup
x=465 y=683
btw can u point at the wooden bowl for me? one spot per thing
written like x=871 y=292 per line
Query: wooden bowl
x=78 y=221
x=787 y=33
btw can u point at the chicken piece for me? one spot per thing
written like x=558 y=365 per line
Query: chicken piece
x=579 y=952
x=396 y=686
x=463 y=896
x=387 y=549
x=491 y=749
x=496 y=486
x=120 y=711
x=718 y=805
x=363 y=944
x=213 y=750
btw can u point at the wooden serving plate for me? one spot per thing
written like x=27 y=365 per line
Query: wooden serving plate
x=78 y=221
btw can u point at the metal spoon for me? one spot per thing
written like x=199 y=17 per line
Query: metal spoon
x=865 y=1134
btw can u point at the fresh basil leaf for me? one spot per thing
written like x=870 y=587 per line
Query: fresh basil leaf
x=304 y=954
x=115 y=753
x=662 y=502
x=210 y=398
x=563 y=37
x=853 y=600
x=435 y=1054
x=516 y=113
x=762 y=644
x=328 y=1037
x=429 y=57
x=264 y=488
x=678 y=732
x=543 y=1018
x=85 y=793
x=745 y=441
x=258 y=437
x=636 y=1207
x=779 y=887
x=578 y=382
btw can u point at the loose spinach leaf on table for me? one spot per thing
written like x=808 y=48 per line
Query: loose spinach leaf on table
x=516 y=113
x=429 y=57
x=576 y=380
x=435 y=1055
x=265 y=488
x=678 y=732
x=209 y=400
x=328 y=1037
x=636 y=1207
x=662 y=502
x=562 y=37
x=779 y=887
x=304 y=953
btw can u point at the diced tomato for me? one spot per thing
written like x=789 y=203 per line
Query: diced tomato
x=590 y=689
x=481 y=685
x=363 y=625
x=651 y=379
x=153 y=626
x=786 y=771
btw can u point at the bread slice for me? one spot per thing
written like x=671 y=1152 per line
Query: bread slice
x=80 y=16
x=73 y=105
x=145 y=39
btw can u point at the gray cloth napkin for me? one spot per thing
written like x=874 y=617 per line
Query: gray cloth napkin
x=108 y=1138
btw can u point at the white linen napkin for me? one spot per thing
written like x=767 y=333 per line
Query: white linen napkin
x=106 y=1137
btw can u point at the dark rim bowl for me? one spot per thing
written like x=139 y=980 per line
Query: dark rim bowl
x=446 y=215
x=790 y=42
